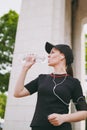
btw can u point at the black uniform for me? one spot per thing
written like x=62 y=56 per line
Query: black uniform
x=48 y=103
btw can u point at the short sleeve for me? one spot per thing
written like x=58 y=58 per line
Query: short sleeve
x=78 y=97
x=32 y=86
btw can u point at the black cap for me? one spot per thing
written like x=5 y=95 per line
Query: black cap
x=63 y=48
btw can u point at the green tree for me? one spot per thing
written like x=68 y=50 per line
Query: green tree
x=8 y=26
x=3 y=99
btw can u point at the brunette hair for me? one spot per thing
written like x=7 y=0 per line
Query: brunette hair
x=69 y=70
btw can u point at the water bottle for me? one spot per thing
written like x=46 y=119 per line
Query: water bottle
x=38 y=58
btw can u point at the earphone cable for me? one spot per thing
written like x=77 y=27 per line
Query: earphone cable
x=55 y=85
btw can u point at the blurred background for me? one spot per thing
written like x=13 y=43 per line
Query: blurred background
x=9 y=14
x=9 y=18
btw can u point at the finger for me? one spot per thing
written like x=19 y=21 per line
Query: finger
x=52 y=116
x=55 y=123
x=30 y=58
x=52 y=119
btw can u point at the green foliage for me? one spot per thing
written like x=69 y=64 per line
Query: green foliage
x=3 y=99
x=8 y=26
x=4 y=78
x=85 y=35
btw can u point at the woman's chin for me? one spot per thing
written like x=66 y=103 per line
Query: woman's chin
x=50 y=64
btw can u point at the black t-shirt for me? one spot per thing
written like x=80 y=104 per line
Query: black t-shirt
x=48 y=103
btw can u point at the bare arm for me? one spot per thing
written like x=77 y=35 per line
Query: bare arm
x=75 y=117
x=20 y=90
x=58 y=119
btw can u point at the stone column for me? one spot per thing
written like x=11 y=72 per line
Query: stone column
x=40 y=21
x=80 y=13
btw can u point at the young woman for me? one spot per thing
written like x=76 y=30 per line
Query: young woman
x=54 y=91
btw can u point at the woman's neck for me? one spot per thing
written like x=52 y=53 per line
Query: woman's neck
x=60 y=70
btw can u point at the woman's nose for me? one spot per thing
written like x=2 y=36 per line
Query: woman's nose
x=48 y=55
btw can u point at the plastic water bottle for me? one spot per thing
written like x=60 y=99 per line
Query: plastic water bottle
x=38 y=58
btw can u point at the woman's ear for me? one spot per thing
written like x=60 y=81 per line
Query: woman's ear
x=62 y=56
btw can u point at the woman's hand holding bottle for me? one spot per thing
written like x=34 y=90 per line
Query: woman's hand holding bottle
x=29 y=61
